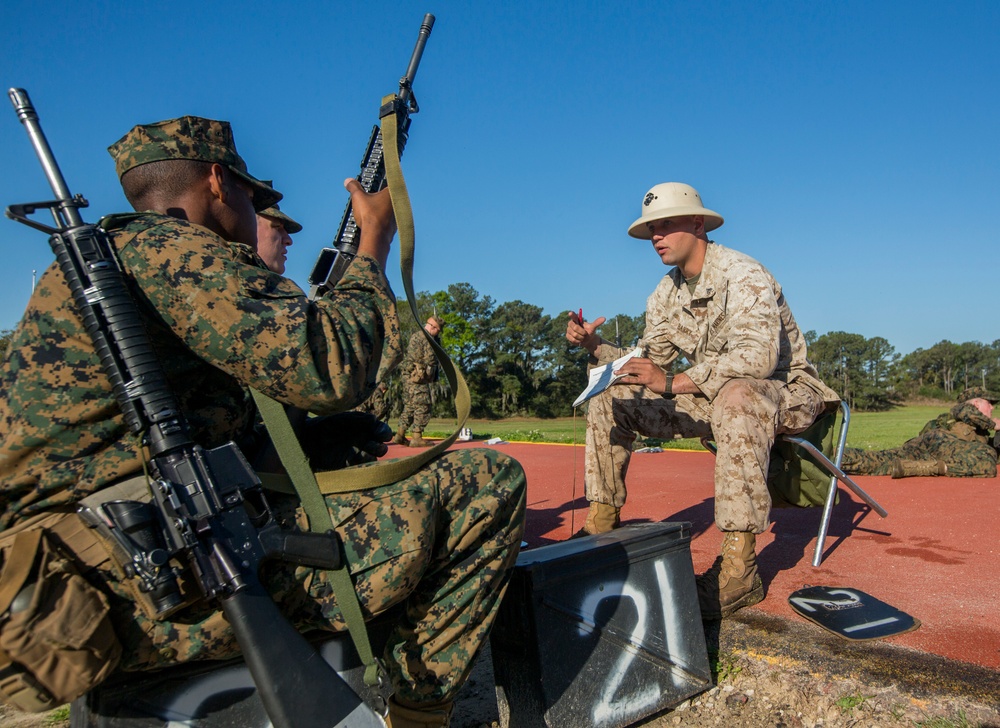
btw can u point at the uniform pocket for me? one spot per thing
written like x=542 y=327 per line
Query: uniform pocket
x=56 y=637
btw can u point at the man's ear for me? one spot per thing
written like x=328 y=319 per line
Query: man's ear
x=217 y=182
x=699 y=224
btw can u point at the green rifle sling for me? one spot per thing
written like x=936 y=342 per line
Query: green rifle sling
x=309 y=486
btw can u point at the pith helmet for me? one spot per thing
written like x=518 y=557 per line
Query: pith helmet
x=978 y=393
x=189 y=137
x=291 y=227
x=671 y=199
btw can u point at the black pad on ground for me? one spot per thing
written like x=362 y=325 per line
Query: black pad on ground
x=850 y=613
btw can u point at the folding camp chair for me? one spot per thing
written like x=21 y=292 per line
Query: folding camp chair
x=831 y=468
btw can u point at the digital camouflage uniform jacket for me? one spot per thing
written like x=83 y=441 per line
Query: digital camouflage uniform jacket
x=420 y=365
x=442 y=542
x=220 y=323
x=963 y=421
x=736 y=324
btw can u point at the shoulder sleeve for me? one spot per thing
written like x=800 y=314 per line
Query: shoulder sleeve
x=427 y=357
x=260 y=327
x=656 y=337
x=605 y=353
x=413 y=348
x=968 y=414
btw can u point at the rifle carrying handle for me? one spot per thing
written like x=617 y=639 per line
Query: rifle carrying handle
x=332 y=262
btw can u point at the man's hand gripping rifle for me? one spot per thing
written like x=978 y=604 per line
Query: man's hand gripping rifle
x=208 y=506
x=332 y=262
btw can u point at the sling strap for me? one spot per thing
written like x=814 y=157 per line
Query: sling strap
x=309 y=486
x=294 y=459
x=374 y=475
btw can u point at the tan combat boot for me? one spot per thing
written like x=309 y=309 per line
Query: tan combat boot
x=418 y=440
x=400 y=437
x=601 y=518
x=437 y=715
x=912 y=468
x=732 y=581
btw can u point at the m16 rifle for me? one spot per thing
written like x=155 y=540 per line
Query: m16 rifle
x=332 y=262
x=208 y=508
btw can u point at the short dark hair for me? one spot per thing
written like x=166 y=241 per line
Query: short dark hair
x=163 y=180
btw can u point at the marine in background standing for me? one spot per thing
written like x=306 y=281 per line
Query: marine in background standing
x=419 y=371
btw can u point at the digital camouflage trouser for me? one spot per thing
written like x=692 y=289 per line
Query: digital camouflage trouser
x=442 y=542
x=744 y=420
x=416 y=406
x=964 y=459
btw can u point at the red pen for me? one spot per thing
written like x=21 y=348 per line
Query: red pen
x=579 y=317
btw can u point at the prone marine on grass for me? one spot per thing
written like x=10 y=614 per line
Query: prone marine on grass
x=749 y=381
x=956 y=444
x=441 y=542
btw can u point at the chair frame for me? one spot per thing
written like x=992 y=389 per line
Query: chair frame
x=836 y=474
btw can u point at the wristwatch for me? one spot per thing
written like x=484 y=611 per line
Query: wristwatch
x=668 y=391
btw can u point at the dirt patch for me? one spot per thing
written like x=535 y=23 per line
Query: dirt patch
x=772 y=672
x=11 y=718
x=758 y=691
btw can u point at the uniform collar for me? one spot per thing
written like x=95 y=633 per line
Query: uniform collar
x=706 y=286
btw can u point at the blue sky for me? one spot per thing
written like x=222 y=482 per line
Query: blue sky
x=852 y=147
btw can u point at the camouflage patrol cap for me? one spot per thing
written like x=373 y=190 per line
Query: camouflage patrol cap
x=978 y=393
x=274 y=212
x=189 y=137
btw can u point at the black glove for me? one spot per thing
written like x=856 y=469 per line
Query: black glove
x=335 y=441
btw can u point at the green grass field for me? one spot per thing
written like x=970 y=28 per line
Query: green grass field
x=869 y=430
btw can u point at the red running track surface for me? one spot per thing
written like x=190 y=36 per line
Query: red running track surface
x=936 y=556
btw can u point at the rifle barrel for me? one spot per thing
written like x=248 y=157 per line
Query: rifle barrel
x=29 y=117
x=411 y=71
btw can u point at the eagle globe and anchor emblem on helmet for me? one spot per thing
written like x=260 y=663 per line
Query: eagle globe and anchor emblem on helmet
x=671 y=199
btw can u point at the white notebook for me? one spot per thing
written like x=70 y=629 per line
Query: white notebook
x=604 y=376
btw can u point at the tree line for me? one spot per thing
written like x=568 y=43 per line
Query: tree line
x=870 y=375
x=518 y=363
